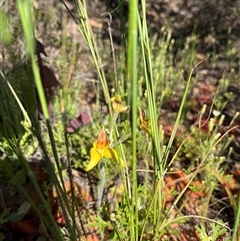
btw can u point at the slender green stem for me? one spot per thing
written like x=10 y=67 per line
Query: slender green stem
x=132 y=74
x=236 y=222
x=101 y=184
x=151 y=95
x=180 y=111
x=25 y=11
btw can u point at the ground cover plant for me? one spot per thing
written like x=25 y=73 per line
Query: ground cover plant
x=142 y=147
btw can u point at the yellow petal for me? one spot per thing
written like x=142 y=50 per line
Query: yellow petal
x=145 y=126
x=118 y=106
x=109 y=153
x=123 y=109
x=112 y=154
x=144 y=123
x=94 y=159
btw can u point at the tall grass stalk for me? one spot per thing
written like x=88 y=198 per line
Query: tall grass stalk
x=132 y=68
x=236 y=221
x=17 y=149
x=25 y=11
x=151 y=100
x=183 y=101
x=86 y=32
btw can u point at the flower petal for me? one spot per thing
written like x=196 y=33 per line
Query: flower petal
x=144 y=122
x=118 y=106
x=102 y=141
x=112 y=154
x=94 y=159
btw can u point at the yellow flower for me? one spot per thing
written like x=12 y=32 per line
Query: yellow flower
x=117 y=104
x=144 y=123
x=101 y=149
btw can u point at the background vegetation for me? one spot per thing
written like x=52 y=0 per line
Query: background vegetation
x=151 y=88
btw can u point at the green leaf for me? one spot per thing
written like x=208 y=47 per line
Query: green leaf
x=14 y=217
x=22 y=210
x=5 y=34
x=5 y=213
x=100 y=223
x=19 y=178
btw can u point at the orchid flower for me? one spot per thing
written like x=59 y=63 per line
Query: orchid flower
x=144 y=122
x=102 y=150
x=117 y=104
